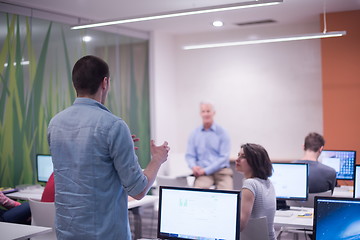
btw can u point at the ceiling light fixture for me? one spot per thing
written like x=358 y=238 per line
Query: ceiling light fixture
x=86 y=38
x=218 y=23
x=268 y=40
x=253 y=3
x=324 y=34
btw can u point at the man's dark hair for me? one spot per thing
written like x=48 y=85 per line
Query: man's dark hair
x=258 y=159
x=87 y=74
x=313 y=142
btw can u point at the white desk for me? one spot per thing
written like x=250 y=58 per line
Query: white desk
x=34 y=192
x=343 y=191
x=134 y=206
x=20 y=231
x=147 y=200
x=295 y=220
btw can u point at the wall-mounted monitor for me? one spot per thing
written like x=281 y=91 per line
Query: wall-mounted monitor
x=343 y=161
x=44 y=167
x=290 y=181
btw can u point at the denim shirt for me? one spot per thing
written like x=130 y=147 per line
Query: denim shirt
x=95 y=168
x=209 y=149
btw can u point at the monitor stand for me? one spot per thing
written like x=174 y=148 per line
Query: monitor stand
x=281 y=205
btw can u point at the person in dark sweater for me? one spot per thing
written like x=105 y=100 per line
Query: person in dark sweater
x=321 y=177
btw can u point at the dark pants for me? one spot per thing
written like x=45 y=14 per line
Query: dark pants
x=20 y=214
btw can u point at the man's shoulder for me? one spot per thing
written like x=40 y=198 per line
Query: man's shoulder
x=219 y=129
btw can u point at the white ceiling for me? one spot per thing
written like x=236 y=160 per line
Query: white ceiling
x=289 y=12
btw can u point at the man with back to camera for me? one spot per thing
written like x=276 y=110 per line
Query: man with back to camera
x=95 y=165
x=321 y=177
x=208 y=152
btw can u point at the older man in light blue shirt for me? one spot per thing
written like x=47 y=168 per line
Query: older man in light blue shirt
x=95 y=165
x=208 y=153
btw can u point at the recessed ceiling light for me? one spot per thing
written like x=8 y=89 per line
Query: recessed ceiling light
x=218 y=23
x=86 y=38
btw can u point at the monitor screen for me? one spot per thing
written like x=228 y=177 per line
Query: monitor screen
x=44 y=167
x=357 y=182
x=290 y=181
x=342 y=161
x=336 y=218
x=193 y=213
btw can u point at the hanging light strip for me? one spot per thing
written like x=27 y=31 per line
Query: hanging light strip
x=228 y=7
x=269 y=40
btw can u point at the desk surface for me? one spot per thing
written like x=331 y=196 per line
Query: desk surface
x=20 y=231
x=294 y=220
x=36 y=193
x=147 y=200
x=343 y=191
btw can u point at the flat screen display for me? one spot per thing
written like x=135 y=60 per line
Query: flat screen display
x=336 y=218
x=189 y=213
x=357 y=182
x=44 y=167
x=290 y=181
x=342 y=161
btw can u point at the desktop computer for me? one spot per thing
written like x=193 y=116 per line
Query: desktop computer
x=343 y=161
x=192 y=213
x=290 y=181
x=44 y=167
x=357 y=182
x=336 y=218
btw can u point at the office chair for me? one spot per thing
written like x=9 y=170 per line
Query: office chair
x=43 y=214
x=257 y=228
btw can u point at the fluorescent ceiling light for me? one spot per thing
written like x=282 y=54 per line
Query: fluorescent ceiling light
x=254 y=3
x=269 y=40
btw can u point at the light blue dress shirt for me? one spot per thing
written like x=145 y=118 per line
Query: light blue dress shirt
x=95 y=168
x=209 y=149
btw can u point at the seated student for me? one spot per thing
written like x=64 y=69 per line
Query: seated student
x=321 y=177
x=258 y=194
x=15 y=212
x=49 y=190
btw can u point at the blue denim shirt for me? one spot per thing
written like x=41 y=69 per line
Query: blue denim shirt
x=209 y=149
x=95 y=168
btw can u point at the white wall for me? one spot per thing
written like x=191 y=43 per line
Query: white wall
x=269 y=94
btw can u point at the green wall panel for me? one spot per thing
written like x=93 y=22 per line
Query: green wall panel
x=36 y=59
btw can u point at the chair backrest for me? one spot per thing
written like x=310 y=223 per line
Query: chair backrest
x=310 y=202
x=256 y=229
x=43 y=214
x=172 y=181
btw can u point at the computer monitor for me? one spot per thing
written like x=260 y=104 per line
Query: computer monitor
x=357 y=182
x=342 y=161
x=193 y=213
x=290 y=181
x=336 y=218
x=44 y=167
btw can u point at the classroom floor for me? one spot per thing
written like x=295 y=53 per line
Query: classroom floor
x=149 y=225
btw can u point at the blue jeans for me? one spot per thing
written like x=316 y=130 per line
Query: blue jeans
x=20 y=214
